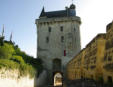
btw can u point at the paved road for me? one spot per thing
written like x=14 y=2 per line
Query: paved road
x=86 y=83
x=82 y=83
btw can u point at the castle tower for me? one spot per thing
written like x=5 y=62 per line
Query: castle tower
x=58 y=38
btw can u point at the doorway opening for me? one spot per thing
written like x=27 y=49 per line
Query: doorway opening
x=109 y=79
x=58 y=79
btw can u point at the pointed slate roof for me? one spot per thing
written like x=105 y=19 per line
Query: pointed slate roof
x=42 y=13
x=61 y=13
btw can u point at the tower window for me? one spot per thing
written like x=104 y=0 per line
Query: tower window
x=49 y=29
x=47 y=39
x=61 y=28
x=62 y=39
x=74 y=29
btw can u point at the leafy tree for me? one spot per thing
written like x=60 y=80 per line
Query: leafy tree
x=1 y=41
x=6 y=51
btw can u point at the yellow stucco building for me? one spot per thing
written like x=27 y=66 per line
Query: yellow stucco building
x=75 y=67
x=108 y=59
x=95 y=61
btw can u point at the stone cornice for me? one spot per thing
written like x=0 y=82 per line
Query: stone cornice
x=63 y=19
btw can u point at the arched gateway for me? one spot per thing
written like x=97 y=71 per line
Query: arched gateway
x=57 y=74
x=58 y=40
x=57 y=78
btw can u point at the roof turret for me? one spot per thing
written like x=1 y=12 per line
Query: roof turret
x=72 y=6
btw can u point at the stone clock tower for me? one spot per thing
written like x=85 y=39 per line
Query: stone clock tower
x=58 y=38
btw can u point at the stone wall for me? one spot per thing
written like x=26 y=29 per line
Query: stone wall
x=58 y=39
x=11 y=78
x=55 y=48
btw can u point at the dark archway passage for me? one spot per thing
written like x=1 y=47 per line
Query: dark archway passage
x=57 y=73
x=57 y=79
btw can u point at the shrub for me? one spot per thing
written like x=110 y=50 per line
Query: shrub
x=6 y=51
x=8 y=64
x=26 y=69
x=17 y=59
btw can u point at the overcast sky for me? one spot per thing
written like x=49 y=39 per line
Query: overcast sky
x=18 y=16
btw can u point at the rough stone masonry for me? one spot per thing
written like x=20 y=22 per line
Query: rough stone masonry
x=58 y=39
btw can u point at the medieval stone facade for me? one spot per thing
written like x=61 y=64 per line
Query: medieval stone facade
x=58 y=38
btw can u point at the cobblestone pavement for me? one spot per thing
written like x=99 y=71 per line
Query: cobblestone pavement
x=86 y=83
x=82 y=83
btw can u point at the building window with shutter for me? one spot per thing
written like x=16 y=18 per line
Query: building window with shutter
x=49 y=29
x=64 y=52
x=61 y=28
x=47 y=39
x=62 y=39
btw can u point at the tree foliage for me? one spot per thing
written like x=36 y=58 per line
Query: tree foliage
x=17 y=59
x=11 y=57
x=1 y=41
x=8 y=64
x=6 y=51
